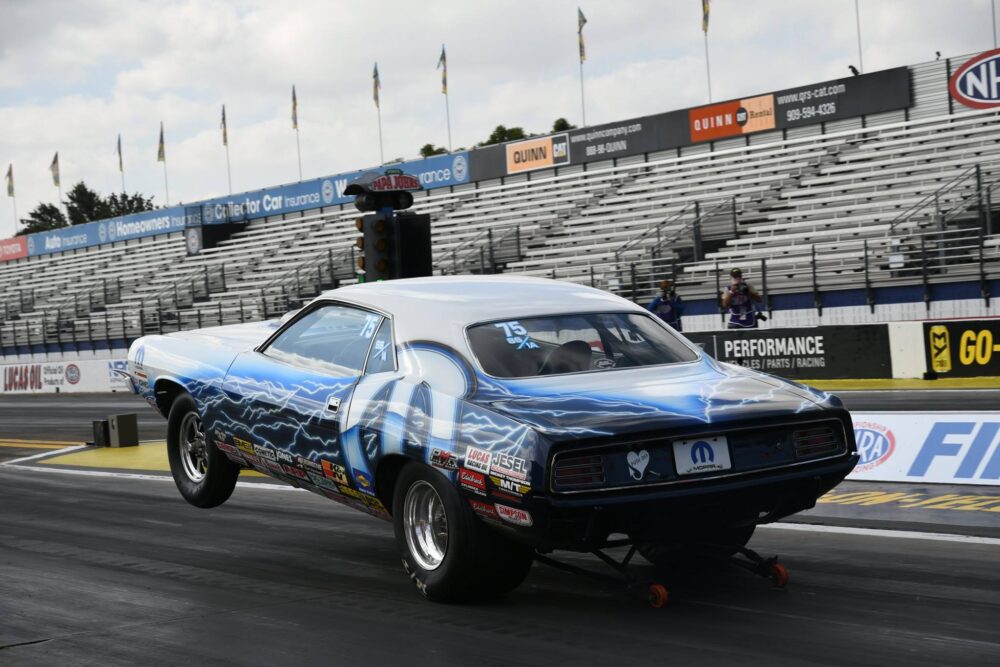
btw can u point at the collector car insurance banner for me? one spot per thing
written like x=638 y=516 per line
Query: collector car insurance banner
x=938 y=447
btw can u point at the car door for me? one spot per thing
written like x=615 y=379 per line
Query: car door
x=284 y=401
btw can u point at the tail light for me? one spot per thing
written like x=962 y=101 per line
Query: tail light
x=814 y=442
x=578 y=472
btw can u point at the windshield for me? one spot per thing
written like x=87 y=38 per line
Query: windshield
x=558 y=344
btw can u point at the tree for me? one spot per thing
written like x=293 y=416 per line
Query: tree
x=84 y=205
x=561 y=125
x=502 y=134
x=43 y=218
x=430 y=149
x=123 y=204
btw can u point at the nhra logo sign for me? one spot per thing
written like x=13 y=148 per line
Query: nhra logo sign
x=976 y=84
x=875 y=444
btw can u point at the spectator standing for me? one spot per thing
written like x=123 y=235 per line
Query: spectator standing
x=739 y=298
x=668 y=306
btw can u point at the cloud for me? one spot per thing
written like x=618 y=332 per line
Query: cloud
x=74 y=75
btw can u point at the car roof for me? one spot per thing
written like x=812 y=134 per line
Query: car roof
x=439 y=308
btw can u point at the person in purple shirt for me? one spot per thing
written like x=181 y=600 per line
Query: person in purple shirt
x=667 y=306
x=739 y=298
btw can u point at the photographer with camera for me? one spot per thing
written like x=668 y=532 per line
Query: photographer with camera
x=739 y=298
x=667 y=306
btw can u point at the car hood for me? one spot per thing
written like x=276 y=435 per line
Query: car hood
x=609 y=403
x=237 y=337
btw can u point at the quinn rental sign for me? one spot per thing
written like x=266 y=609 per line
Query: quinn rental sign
x=976 y=83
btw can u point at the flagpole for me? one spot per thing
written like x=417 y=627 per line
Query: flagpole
x=857 y=19
x=708 y=69
x=17 y=223
x=123 y=181
x=381 y=153
x=298 y=148
x=166 y=187
x=229 y=172
x=583 y=104
x=447 y=115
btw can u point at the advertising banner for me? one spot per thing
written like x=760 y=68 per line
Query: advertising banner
x=974 y=83
x=149 y=223
x=88 y=375
x=847 y=352
x=850 y=97
x=728 y=119
x=539 y=153
x=937 y=447
x=965 y=348
x=14 y=248
x=631 y=137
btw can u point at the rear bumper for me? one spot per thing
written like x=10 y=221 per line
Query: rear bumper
x=680 y=513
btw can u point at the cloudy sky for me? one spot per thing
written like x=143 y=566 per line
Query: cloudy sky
x=74 y=74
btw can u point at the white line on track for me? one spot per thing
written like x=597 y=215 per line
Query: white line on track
x=135 y=475
x=880 y=532
x=51 y=452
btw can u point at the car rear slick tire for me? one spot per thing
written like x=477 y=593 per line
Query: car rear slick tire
x=448 y=553
x=204 y=475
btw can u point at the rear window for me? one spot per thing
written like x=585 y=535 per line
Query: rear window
x=559 y=344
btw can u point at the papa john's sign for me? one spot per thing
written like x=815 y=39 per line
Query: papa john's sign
x=976 y=83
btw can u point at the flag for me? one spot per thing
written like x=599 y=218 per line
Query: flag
x=295 y=110
x=121 y=167
x=581 y=21
x=376 y=85
x=704 y=16
x=10 y=180
x=225 y=130
x=161 y=152
x=443 y=66
x=54 y=168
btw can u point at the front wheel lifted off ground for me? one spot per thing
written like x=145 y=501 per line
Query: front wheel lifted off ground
x=203 y=474
x=449 y=554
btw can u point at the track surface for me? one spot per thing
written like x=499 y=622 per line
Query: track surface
x=121 y=571
x=110 y=570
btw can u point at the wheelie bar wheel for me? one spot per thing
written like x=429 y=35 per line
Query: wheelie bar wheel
x=658 y=596
x=778 y=575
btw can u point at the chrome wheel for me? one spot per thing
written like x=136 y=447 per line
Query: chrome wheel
x=193 y=448
x=425 y=525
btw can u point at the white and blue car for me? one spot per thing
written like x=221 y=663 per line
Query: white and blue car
x=492 y=419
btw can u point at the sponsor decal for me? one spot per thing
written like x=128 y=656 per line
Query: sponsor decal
x=537 y=153
x=395 y=180
x=637 y=462
x=245 y=446
x=308 y=463
x=11 y=249
x=976 y=83
x=283 y=456
x=219 y=435
x=336 y=472
x=22 y=378
x=506 y=497
x=265 y=452
x=226 y=447
x=444 y=459
x=273 y=466
x=484 y=510
x=510 y=466
x=471 y=480
x=333 y=495
x=140 y=356
x=365 y=484
x=733 y=118
x=875 y=444
x=509 y=485
x=348 y=491
x=294 y=471
x=514 y=515
x=322 y=482
x=478 y=460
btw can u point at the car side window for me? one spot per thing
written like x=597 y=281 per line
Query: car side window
x=381 y=359
x=333 y=339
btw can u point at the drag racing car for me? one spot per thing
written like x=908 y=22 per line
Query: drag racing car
x=494 y=420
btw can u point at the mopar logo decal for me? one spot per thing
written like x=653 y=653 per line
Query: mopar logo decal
x=702 y=452
x=140 y=354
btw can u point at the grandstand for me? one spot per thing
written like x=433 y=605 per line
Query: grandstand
x=862 y=213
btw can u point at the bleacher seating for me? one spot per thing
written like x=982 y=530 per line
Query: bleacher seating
x=835 y=204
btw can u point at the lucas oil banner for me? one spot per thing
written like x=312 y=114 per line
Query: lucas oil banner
x=938 y=447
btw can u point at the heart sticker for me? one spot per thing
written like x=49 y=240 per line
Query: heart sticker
x=637 y=462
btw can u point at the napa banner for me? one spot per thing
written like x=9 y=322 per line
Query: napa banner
x=434 y=172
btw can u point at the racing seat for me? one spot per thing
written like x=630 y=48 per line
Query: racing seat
x=571 y=357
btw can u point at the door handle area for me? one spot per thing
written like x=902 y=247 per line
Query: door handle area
x=333 y=404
